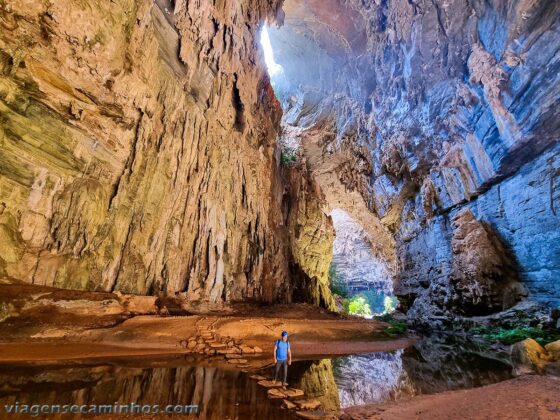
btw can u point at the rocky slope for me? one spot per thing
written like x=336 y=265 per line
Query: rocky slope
x=441 y=114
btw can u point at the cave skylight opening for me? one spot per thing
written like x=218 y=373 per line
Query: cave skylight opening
x=274 y=69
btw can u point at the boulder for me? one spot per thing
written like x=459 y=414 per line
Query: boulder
x=233 y=356
x=554 y=349
x=553 y=368
x=136 y=304
x=246 y=349
x=270 y=384
x=529 y=356
x=275 y=393
x=199 y=348
x=285 y=393
x=313 y=415
x=293 y=392
x=288 y=405
x=237 y=361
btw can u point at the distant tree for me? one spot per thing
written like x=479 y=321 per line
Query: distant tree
x=358 y=306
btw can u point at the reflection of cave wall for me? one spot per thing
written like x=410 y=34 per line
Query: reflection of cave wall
x=220 y=394
x=353 y=259
x=440 y=363
x=434 y=364
x=317 y=381
x=368 y=379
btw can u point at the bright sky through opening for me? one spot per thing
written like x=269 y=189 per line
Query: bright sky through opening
x=273 y=67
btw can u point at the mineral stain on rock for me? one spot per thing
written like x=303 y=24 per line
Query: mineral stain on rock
x=115 y=176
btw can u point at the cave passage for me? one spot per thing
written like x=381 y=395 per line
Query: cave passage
x=363 y=280
x=360 y=278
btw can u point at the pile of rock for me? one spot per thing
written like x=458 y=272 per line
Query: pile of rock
x=292 y=398
x=208 y=341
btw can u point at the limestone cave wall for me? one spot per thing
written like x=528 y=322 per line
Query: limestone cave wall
x=137 y=148
x=442 y=115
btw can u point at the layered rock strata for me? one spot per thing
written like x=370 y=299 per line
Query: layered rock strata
x=438 y=108
x=311 y=236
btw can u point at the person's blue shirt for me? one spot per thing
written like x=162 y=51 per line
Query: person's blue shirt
x=282 y=350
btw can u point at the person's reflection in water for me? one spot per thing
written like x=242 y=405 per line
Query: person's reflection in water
x=282 y=357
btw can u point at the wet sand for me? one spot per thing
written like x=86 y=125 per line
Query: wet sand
x=525 y=397
x=152 y=335
x=44 y=323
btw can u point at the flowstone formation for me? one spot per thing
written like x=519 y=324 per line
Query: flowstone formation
x=140 y=148
x=138 y=143
x=440 y=116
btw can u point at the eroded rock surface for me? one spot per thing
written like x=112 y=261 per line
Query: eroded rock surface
x=139 y=148
x=428 y=108
x=138 y=145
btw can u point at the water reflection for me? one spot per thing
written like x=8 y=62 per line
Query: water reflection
x=433 y=365
x=219 y=393
x=364 y=379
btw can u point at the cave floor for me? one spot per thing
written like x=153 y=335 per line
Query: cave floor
x=152 y=335
x=526 y=397
x=49 y=331
x=42 y=324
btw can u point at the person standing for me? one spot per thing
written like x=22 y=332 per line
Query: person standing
x=282 y=357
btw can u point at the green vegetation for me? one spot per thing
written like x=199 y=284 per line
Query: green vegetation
x=379 y=302
x=365 y=303
x=288 y=157
x=357 y=305
x=514 y=335
x=395 y=328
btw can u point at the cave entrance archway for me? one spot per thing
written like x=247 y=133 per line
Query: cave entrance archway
x=360 y=277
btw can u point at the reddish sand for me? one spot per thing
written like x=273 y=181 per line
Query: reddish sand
x=313 y=332
x=46 y=352
x=526 y=397
x=150 y=335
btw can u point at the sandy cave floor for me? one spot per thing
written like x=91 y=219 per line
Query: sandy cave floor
x=52 y=326
x=529 y=397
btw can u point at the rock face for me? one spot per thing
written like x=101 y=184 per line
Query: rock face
x=353 y=259
x=139 y=147
x=479 y=279
x=310 y=235
x=138 y=144
x=441 y=115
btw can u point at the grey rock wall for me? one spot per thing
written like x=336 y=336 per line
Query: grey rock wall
x=438 y=107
